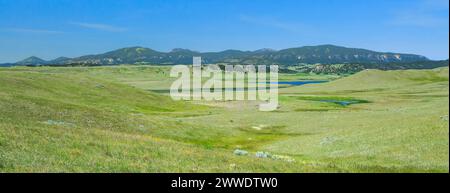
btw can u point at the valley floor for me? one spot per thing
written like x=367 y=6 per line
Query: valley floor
x=121 y=119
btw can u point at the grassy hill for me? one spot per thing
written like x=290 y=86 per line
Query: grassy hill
x=52 y=121
x=378 y=80
x=404 y=124
x=108 y=119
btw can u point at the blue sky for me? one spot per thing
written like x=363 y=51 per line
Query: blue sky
x=53 y=28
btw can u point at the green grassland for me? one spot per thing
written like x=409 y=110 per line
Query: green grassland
x=121 y=119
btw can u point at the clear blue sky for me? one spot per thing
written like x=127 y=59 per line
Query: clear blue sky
x=53 y=28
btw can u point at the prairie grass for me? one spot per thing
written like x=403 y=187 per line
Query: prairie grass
x=109 y=119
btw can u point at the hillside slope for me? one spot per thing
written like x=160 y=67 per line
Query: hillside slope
x=374 y=80
x=104 y=119
x=52 y=121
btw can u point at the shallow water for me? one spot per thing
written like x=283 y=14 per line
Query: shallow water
x=342 y=102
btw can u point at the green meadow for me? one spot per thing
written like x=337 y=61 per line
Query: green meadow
x=122 y=119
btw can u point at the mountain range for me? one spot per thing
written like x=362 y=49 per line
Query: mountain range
x=322 y=54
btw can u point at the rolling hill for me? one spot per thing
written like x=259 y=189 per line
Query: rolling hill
x=108 y=119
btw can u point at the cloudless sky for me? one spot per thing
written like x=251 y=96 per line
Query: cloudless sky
x=53 y=28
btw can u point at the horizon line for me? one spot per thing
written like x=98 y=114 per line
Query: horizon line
x=217 y=51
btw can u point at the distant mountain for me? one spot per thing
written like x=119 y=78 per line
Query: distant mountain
x=322 y=54
x=264 y=51
x=33 y=60
x=6 y=65
x=330 y=54
x=59 y=60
